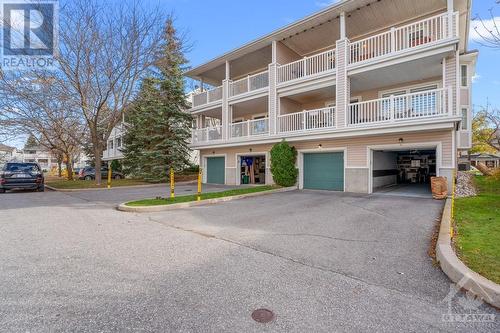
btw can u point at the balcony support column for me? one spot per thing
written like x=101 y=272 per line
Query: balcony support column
x=342 y=26
x=343 y=83
x=225 y=109
x=273 y=99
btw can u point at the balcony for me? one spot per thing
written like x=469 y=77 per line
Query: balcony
x=420 y=105
x=249 y=84
x=250 y=128
x=307 y=67
x=207 y=134
x=397 y=40
x=207 y=97
x=306 y=121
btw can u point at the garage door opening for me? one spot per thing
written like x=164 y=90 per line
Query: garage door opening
x=253 y=169
x=404 y=172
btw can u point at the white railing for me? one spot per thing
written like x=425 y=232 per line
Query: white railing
x=249 y=83
x=207 y=96
x=398 y=39
x=430 y=103
x=250 y=128
x=200 y=135
x=307 y=66
x=307 y=120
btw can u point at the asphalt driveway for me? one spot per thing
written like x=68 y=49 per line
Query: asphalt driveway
x=321 y=261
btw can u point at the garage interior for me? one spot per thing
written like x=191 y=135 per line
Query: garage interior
x=404 y=172
x=253 y=169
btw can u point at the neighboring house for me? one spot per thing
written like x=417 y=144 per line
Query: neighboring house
x=490 y=160
x=114 y=144
x=371 y=93
x=40 y=155
x=7 y=153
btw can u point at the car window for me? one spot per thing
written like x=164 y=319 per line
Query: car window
x=22 y=167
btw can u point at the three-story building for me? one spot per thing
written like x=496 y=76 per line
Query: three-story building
x=371 y=93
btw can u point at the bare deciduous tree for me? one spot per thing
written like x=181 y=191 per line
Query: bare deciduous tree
x=105 y=49
x=488 y=29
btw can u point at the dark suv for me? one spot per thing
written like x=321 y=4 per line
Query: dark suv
x=15 y=175
x=88 y=173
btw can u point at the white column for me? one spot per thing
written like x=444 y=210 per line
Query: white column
x=228 y=70
x=449 y=5
x=201 y=84
x=342 y=26
x=225 y=109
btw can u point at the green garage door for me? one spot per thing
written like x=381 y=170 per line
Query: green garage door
x=324 y=171
x=215 y=170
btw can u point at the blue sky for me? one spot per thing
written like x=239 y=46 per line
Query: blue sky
x=218 y=26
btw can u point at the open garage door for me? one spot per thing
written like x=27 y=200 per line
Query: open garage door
x=216 y=170
x=403 y=172
x=324 y=171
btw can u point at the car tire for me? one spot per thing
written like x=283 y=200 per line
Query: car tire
x=87 y=178
x=2 y=190
x=41 y=188
x=117 y=177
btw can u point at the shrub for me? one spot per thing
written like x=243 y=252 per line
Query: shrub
x=283 y=157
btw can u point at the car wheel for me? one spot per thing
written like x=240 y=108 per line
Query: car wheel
x=2 y=190
x=88 y=178
x=41 y=188
x=118 y=177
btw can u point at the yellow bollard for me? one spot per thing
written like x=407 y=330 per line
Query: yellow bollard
x=200 y=175
x=172 y=183
x=109 y=175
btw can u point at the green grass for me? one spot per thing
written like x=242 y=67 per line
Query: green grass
x=477 y=220
x=204 y=196
x=83 y=184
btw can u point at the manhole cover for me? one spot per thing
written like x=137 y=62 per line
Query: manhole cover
x=262 y=315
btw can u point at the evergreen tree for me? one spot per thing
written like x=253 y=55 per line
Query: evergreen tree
x=159 y=128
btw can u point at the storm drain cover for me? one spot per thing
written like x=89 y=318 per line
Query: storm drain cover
x=262 y=315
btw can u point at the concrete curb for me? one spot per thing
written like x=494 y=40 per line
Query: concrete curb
x=456 y=270
x=162 y=208
x=116 y=187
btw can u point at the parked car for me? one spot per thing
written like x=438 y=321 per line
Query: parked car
x=88 y=173
x=15 y=175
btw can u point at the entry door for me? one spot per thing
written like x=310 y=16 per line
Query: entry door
x=215 y=170
x=324 y=171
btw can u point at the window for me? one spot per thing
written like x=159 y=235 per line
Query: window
x=465 y=118
x=118 y=142
x=110 y=144
x=463 y=71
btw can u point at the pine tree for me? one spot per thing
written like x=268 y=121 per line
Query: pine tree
x=158 y=130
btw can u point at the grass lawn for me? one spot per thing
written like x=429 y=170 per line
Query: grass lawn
x=81 y=184
x=477 y=221
x=204 y=196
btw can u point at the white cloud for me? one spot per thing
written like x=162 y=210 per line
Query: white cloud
x=475 y=78
x=482 y=28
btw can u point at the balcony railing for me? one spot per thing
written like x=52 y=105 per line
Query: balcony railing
x=306 y=67
x=307 y=120
x=208 y=96
x=250 y=128
x=250 y=83
x=430 y=30
x=425 y=104
x=206 y=134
